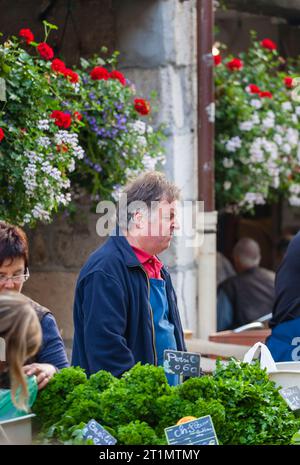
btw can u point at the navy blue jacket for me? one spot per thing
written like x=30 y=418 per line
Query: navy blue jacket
x=113 y=319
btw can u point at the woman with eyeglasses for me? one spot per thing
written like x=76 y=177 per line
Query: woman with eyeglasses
x=13 y=273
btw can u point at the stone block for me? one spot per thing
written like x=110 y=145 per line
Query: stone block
x=153 y=34
x=55 y=290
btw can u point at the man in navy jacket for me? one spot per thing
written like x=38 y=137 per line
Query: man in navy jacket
x=125 y=308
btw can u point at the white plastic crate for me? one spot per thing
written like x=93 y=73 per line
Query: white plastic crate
x=16 y=431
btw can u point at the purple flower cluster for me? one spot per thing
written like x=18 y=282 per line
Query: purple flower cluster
x=104 y=133
x=94 y=166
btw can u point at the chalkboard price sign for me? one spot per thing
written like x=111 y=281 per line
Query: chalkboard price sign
x=182 y=363
x=98 y=434
x=292 y=397
x=196 y=432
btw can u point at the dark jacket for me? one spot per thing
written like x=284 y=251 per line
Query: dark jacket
x=113 y=318
x=251 y=294
x=284 y=341
x=287 y=285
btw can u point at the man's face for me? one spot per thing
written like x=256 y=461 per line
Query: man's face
x=11 y=269
x=161 y=226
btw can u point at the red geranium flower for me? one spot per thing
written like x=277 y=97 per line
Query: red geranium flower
x=253 y=89
x=27 y=35
x=62 y=120
x=269 y=44
x=99 y=73
x=58 y=66
x=217 y=59
x=119 y=76
x=77 y=115
x=1 y=134
x=71 y=75
x=45 y=51
x=266 y=94
x=142 y=106
x=288 y=82
x=235 y=64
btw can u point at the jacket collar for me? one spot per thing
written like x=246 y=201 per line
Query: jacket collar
x=125 y=248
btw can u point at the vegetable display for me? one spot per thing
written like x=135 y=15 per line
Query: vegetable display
x=245 y=406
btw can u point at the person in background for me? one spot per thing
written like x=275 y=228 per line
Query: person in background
x=249 y=295
x=284 y=341
x=13 y=273
x=125 y=308
x=224 y=268
x=21 y=331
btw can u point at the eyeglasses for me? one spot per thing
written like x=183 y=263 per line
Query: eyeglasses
x=18 y=279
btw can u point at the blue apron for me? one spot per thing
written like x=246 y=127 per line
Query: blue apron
x=284 y=341
x=164 y=330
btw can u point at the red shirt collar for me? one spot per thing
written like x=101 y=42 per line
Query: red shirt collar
x=144 y=257
x=151 y=263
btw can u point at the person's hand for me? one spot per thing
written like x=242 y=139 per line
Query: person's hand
x=42 y=371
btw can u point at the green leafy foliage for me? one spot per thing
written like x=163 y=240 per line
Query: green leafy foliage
x=101 y=380
x=132 y=397
x=52 y=402
x=245 y=406
x=193 y=388
x=83 y=404
x=137 y=433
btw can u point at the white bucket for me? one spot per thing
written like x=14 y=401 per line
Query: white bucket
x=288 y=366
x=285 y=378
x=16 y=431
x=284 y=374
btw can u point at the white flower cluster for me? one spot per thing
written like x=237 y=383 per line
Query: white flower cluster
x=294 y=199
x=287 y=106
x=233 y=144
x=44 y=141
x=39 y=213
x=43 y=124
x=228 y=162
x=150 y=163
x=269 y=121
x=256 y=103
x=42 y=178
x=249 y=124
x=29 y=178
x=261 y=149
x=142 y=141
x=138 y=126
x=71 y=139
x=253 y=198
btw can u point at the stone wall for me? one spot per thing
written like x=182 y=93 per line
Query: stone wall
x=57 y=252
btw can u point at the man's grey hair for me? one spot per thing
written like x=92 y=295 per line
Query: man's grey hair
x=148 y=188
x=248 y=252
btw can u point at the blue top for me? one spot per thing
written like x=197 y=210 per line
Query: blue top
x=287 y=293
x=52 y=350
x=164 y=329
x=284 y=341
x=112 y=318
